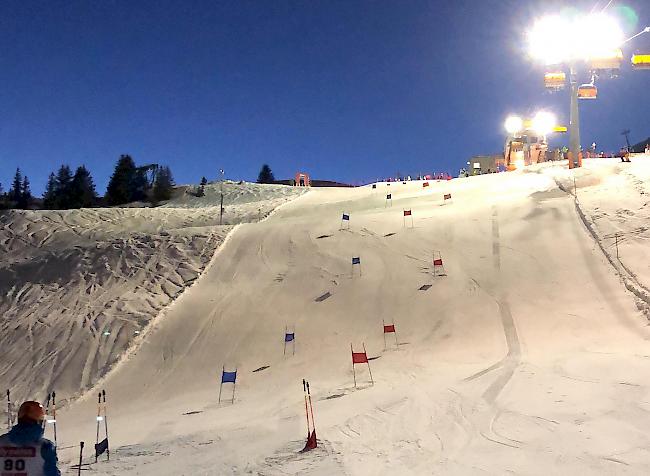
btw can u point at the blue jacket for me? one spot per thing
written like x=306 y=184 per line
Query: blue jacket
x=31 y=434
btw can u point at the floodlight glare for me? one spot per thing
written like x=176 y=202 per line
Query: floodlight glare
x=555 y=39
x=514 y=124
x=544 y=123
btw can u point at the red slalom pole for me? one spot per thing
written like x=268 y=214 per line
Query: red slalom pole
x=311 y=408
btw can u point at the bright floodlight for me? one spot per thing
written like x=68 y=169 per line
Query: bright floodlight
x=555 y=39
x=514 y=124
x=543 y=123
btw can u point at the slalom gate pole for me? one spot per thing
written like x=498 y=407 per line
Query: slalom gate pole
x=108 y=450
x=8 y=410
x=284 y=352
x=304 y=392
x=81 y=454
x=368 y=362
x=234 y=385
x=354 y=374
x=54 y=414
x=383 y=331
x=223 y=369
x=311 y=408
x=99 y=418
x=396 y=342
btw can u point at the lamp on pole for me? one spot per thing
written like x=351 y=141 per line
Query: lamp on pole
x=574 y=121
x=584 y=41
x=221 y=200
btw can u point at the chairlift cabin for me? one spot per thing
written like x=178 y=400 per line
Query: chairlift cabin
x=554 y=81
x=641 y=62
x=587 y=91
x=607 y=62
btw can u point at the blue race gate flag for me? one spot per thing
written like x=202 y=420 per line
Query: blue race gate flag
x=228 y=377
x=356 y=260
x=101 y=447
x=289 y=337
x=345 y=217
x=389 y=196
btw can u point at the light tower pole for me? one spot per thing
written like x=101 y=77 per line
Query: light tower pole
x=574 y=120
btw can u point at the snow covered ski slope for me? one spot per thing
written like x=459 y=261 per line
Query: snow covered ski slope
x=529 y=357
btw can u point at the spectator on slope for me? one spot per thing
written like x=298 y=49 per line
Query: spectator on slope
x=24 y=451
x=624 y=154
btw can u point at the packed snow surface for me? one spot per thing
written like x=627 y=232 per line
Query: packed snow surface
x=531 y=355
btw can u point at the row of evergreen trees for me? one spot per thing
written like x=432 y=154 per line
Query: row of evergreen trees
x=65 y=190
x=19 y=195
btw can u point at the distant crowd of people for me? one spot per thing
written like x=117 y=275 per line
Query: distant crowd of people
x=408 y=178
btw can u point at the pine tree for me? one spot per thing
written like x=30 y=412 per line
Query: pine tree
x=201 y=191
x=25 y=194
x=266 y=175
x=82 y=189
x=139 y=185
x=49 y=197
x=163 y=184
x=15 y=191
x=62 y=190
x=121 y=185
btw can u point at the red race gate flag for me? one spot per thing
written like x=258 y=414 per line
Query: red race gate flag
x=388 y=328
x=447 y=196
x=407 y=213
x=359 y=358
x=425 y=184
x=437 y=262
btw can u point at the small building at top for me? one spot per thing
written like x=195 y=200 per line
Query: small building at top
x=302 y=180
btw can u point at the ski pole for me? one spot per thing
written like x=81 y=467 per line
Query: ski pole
x=54 y=414
x=8 y=410
x=47 y=409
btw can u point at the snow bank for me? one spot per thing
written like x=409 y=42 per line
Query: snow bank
x=79 y=286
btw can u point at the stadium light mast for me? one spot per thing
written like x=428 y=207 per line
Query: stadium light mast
x=594 y=39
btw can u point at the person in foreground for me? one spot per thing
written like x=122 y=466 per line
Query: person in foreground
x=24 y=451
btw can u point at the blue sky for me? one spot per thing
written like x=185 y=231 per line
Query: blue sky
x=346 y=90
